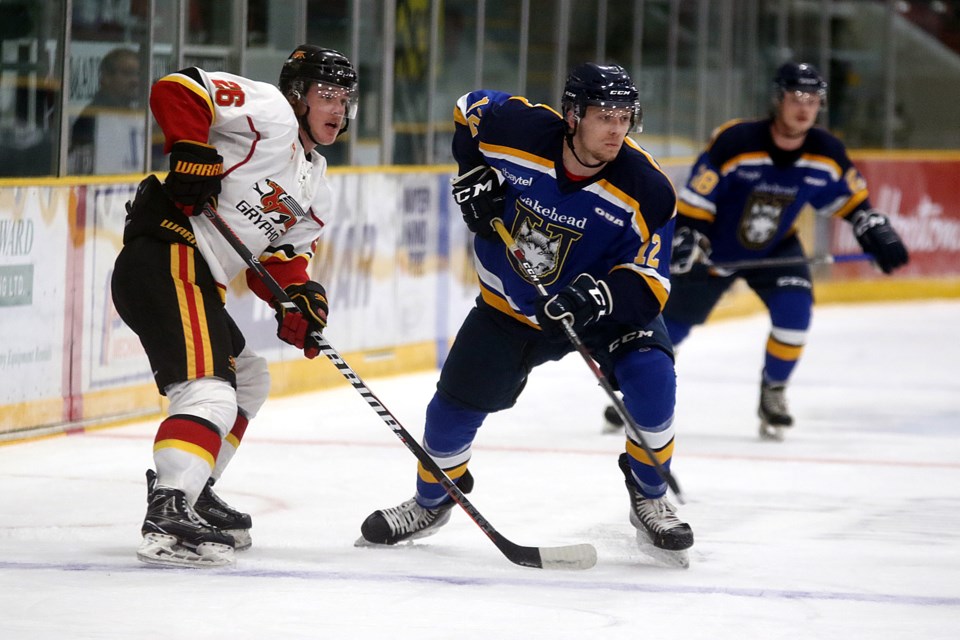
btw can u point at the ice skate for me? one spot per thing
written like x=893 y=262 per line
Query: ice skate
x=408 y=521
x=216 y=512
x=612 y=422
x=174 y=535
x=660 y=533
x=774 y=415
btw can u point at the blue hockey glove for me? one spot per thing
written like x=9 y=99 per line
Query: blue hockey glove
x=480 y=196
x=878 y=238
x=582 y=302
x=690 y=247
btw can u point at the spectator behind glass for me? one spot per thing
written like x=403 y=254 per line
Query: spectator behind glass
x=107 y=136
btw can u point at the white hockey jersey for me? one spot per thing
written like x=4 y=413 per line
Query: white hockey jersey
x=274 y=196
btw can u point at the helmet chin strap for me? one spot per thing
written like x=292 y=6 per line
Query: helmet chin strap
x=305 y=125
x=569 y=138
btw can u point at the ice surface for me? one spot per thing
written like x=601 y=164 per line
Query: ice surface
x=849 y=529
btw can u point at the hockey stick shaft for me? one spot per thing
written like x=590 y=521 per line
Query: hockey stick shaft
x=580 y=556
x=577 y=343
x=761 y=263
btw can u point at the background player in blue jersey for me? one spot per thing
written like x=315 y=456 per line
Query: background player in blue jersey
x=742 y=201
x=590 y=209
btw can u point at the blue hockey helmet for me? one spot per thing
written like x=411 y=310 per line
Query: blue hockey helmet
x=799 y=76
x=592 y=84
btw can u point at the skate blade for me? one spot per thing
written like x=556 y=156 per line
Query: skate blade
x=241 y=539
x=362 y=542
x=771 y=432
x=662 y=557
x=406 y=542
x=163 y=550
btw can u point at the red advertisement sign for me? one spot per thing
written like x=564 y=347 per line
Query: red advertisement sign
x=922 y=197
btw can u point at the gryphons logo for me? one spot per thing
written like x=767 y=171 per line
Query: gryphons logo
x=282 y=209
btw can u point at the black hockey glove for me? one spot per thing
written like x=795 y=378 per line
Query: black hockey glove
x=195 y=173
x=582 y=302
x=480 y=196
x=878 y=238
x=297 y=328
x=690 y=247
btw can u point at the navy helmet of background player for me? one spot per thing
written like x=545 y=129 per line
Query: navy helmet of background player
x=248 y=150
x=742 y=202
x=592 y=212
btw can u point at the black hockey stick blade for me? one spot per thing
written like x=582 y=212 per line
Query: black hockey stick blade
x=576 y=556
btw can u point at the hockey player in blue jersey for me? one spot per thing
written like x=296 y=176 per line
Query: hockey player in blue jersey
x=742 y=201
x=592 y=212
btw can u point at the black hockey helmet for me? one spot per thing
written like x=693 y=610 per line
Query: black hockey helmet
x=799 y=76
x=603 y=86
x=309 y=63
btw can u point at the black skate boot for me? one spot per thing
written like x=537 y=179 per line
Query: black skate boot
x=612 y=422
x=216 y=512
x=656 y=520
x=173 y=534
x=773 y=412
x=408 y=521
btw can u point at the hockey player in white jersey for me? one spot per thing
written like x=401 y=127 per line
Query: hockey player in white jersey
x=249 y=150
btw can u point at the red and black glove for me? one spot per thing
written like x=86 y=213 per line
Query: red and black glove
x=297 y=327
x=195 y=173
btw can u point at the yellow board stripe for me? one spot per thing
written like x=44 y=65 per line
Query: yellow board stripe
x=453 y=473
x=637 y=452
x=186 y=447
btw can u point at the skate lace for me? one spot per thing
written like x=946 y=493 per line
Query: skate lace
x=211 y=496
x=657 y=512
x=774 y=400
x=407 y=517
x=175 y=504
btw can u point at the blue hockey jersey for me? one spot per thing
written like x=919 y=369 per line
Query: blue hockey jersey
x=613 y=225
x=746 y=195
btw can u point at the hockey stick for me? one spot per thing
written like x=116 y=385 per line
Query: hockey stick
x=760 y=263
x=577 y=343
x=576 y=556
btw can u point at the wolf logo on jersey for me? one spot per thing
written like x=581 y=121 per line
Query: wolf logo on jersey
x=761 y=219
x=545 y=245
